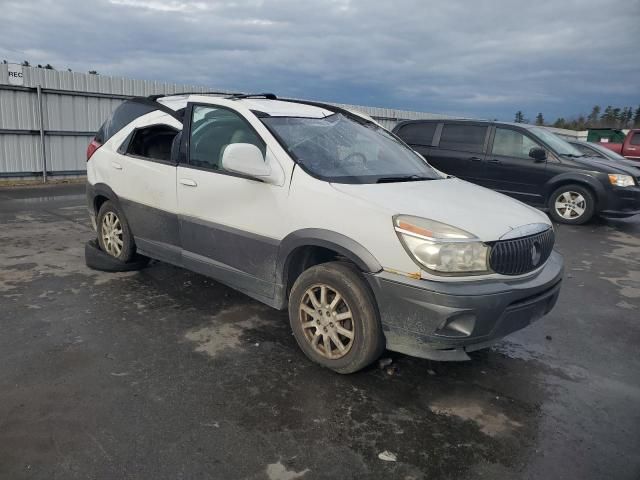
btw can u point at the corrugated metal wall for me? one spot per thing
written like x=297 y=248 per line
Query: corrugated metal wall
x=69 y=119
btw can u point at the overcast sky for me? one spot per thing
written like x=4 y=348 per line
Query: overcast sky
x=472 y=58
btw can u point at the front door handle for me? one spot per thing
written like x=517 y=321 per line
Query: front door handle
x=495 y=161
x=116 y=165
x=475 y=159
x=188 y=182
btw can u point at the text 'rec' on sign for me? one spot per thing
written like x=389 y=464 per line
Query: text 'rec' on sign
x=15 y=74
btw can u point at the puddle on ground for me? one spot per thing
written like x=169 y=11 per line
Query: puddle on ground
x=489 y=421
x=226 y=328
x=277 y=471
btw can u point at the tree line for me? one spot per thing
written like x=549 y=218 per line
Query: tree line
x=48 y=66
x=610 y=117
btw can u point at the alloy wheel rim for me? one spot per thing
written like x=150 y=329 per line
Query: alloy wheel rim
x=327 y=321
x=111 y=230
x=570 y=205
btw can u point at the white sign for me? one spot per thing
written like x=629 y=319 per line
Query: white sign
x=15 y=74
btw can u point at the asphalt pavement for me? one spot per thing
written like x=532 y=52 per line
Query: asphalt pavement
x=166 y=374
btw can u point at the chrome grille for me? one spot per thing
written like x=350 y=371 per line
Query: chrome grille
x=521 y=255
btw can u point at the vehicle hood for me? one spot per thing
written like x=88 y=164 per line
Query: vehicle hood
x=611 y=166
x=482 y=212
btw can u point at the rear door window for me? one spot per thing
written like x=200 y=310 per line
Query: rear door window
x=635 y=140
x=511 y=143
x=153 y=142
x=466 y=138
x=418 y=133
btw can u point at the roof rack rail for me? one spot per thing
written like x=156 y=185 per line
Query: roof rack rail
x=268 y=96
x=161 y=95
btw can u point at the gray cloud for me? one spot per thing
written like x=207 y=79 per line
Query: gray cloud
x=484 y=58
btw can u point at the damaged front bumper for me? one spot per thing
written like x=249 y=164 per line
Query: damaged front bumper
x=445 y=320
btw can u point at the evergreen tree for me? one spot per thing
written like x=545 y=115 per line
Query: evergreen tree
x=617 y=117
x=519 y=117
x=539 y=119
x=26 y=64
x=594 y=116
x=636 y=118
x=628 y=118
x=606 y=119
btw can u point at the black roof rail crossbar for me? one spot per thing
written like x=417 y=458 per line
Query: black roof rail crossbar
x=177 y=94
x=268 y=96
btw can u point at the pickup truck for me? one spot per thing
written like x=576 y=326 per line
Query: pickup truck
x=630 y=148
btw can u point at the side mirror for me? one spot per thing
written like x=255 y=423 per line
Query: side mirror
x=245 y=158
x=538 y=154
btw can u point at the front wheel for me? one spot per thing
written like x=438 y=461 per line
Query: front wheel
x=572 y=204
x=334 y=317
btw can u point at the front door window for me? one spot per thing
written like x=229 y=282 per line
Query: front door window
x=212 y=130
x=510 y=143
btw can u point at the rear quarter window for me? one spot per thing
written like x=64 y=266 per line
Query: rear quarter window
x=468 y=138
x=635 y=140
x=418 y=133
x=122 y=116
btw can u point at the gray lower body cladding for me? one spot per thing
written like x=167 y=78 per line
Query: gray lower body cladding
x=444 y=321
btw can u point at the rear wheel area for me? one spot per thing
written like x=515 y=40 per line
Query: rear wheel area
x=572 y=204
x=334 y=318
x=114 y=236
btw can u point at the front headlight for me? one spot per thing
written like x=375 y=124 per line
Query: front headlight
x=441 y=248
x=621 y=180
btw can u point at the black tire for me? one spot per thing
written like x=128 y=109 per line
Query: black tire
x=128 y=249
x=367 y=342
x=587 y=205
x=96 y=259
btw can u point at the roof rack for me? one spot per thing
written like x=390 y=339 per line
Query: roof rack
x=237 y=96
x=177 y=94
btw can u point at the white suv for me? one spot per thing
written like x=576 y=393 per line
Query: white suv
x=320 y=209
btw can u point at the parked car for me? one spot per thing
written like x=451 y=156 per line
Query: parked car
x=528 y=163
x=313 y=208
x=629 y=148
x=598 y=151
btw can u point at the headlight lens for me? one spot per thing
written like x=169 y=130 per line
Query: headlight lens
x=621 y=180
x=441 y=248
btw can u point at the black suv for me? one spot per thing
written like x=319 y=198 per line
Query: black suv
x=529 y=163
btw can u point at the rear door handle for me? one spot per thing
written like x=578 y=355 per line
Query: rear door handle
x=475 y=159
x=116 y=165
x=495 y=161
x=188 y=182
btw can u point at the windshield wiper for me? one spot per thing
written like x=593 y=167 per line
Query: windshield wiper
x=402 y=178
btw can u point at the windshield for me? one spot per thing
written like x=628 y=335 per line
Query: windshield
x=557 y=144
x=338 y=149
x=606 y=152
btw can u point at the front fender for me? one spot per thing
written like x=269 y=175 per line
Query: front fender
x=317 y=237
